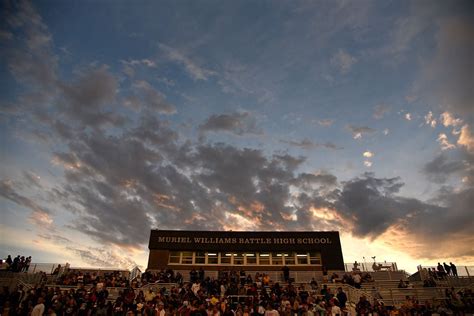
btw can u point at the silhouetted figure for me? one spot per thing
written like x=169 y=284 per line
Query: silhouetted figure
x=454 y=270
x=447 y=268
x=286 y=273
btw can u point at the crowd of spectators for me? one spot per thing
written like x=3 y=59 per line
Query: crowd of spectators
x=69 y=277
x=232 y=293
x=432 y=276
x=17 y=264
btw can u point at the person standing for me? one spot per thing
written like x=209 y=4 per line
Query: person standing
x=447 y=268
x=286 y=273
x=454 y=270
x=341 y=297
x=38 y=310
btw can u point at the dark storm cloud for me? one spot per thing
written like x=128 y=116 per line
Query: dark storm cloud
x=308 y=179
x=238 y=123
x=371 y=204
x=441 y=167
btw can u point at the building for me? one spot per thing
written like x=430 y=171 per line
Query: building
x=255 y=251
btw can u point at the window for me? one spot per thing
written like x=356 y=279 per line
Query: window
x=200 y=258
x=187 y=257
x=238 y=258
x=314 y=258
x=226 y=258
x=301 y=258
x=175 y=257
x=289 y=258
x=251 y=258
x=264 y=258
x=277 y=258
x=212 y=258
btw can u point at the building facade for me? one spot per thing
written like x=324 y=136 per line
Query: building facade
x=265 y=251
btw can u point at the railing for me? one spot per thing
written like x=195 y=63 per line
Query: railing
x=275 y=276
x=463 y=271
x=371 y=266
x=156 y=287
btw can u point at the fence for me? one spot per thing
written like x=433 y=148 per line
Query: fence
x=371 y=266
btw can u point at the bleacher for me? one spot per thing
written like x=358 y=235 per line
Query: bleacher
x=384 y=282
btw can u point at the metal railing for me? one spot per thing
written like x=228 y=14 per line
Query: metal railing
x=371 y=266
x=463 y=271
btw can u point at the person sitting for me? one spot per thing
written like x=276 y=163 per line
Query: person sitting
x=356 y=266
x=402 y=285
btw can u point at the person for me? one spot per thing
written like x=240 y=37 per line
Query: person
x=454 y=269
x=335 y=310
x=356 y=266
x=376 y=294
x=441 y=271
x=270 y=311
x=363 y=306
x=341 y=297
x=57 y=270
x=286 y=273
x=447 y=268
x=160 y=311
x=357 y=280
x=314 y=284
x=38 y=310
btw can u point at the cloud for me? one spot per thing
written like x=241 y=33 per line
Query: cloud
x=447 y=77
x=238 y=123
x=371 y=204
x=325 y=122
x=306 y=180
x=441 y=167
x=102 y=257
x=448 y=119
x=146 y=62
x=195 y=71
x=380 y=110
x=41 y=219
x=87 y=96
x=430 y=120
x=466 y=139
x=32 y=178
x=149 y=97
x=30 y=59
x=343 y=61
x=359 y=131
x=9 y=192
x=444 y=142
x=308 y=144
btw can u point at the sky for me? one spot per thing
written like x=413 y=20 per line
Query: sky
x=119 y=117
